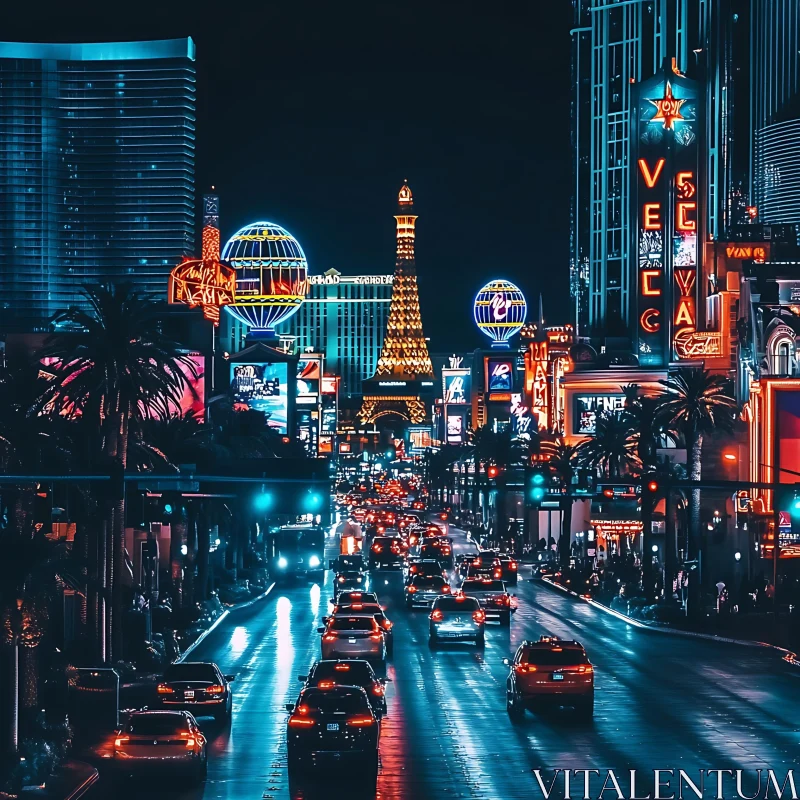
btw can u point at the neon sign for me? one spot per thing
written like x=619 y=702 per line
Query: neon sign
x=204 y=282
x=668 y=109
x=455 y=386
x=536 y=364
x=698 y=344
x=499 y=311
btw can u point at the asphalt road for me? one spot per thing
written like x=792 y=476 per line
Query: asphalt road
x=662 y=702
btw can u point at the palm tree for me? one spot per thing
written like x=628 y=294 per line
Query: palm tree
x=114 y=366
x=697 y=404
x=563 y=460
x=612 y=450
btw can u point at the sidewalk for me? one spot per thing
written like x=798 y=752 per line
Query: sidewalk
x=670 y=629
x=71 y=781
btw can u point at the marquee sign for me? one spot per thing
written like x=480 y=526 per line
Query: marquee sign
x=536 y=365
x=204 y=282
x=667 y=214
x=689 y=343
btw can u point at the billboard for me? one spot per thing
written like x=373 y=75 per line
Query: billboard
x=193 y=399
x=309 y=375
x=262 y=387
x=455 y=386
x=455 y=425
x=499 y=374
x=589 y=406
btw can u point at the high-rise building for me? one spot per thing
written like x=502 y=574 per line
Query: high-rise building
x=343 y=316
x=97 y=152
x=617 y=44
x=775 y=110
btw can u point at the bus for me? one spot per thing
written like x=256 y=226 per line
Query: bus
x=296 y=551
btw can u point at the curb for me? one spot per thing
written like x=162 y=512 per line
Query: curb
x=201 y=638
x=788 y=656
x=80 y=791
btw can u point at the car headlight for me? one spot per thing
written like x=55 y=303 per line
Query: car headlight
x=282 y=563
x=313 y=561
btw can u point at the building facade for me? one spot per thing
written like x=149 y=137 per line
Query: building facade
x=775 y=110
x=97 y=162
x=343 y=316
x=615 y=46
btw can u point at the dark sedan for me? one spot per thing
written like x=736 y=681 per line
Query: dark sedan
x=199 y=687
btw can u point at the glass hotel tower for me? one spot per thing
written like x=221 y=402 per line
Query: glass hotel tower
x=97 y=159
x=616 y=43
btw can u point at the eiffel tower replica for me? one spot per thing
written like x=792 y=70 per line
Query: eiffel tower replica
x=403 y=380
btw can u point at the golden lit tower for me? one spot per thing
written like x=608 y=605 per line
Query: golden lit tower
x=404 y=369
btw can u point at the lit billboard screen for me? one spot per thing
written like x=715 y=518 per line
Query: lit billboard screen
x=193 y=398
x=589 y=406
x=455 y=386
x=455 y=424
x=309 y=374
x=499 y=374
x=262 y=387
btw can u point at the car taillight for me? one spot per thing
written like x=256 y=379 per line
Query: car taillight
x=376 y=637
x=329 y=637
x=436 y=615
x=325 y=685
x=215 y=689
x=119 y=742
x=478 y=616
x=341 y=579
x=342 y=667
x=513 y=565
x=377 y=689
x=387 y=625
x=164 y=689
x=445 y=589
x=586 y=668
x=360 y=722
x=376 y=548
x=300 y=722
x=412 y=589
x=524 y=669
x=190 y=743
x=476 y=562
x=498 y=573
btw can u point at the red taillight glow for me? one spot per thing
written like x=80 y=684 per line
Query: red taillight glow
x=342 y=667
x=498 y=573
x=329 y=637
x=300 y=722
x=119 y=742
x=190 y=743
x=479 y=616
x=412 y=589
x=360 y=722
x=524 y=669
x=376 y=637
x=513 y=565
x=215 y=689
x=376 y=548
x=445 y=589
x=436 y=615
x=326 y=685
x=164 y=689
x=377 y=689
x=387 y=625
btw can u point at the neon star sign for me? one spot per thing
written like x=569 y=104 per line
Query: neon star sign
x=668 y=109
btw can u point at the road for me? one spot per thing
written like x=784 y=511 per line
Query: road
x=661 y=702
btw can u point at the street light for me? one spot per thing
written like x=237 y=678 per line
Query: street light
x=737 y=555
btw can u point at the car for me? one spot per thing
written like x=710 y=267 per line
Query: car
x=348 y=609
x=424 y=589
x=349 y=672
x=493 y=597
x=352 y=562
x=165 y=740
x=199 y=687
x=350 y=579
x=356 y=636
x=554 y=671
x=457 y=618
x=482 y=562
x=353 y=596
x=423 y=566
x=508 y=566
x=328 y=726
x=476 y=573
x=439 y=548
x=386 y=552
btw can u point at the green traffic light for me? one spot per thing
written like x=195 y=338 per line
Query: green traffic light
x=262 y=501
x=537 y=495
x=538 y=479
x=796 y=507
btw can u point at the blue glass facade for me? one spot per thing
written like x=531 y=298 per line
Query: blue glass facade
x=97 y=159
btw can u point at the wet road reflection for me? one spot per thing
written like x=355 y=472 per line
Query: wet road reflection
x=661 y=702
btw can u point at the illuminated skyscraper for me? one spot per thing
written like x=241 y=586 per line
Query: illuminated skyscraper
x=775 y=109
x=615 y=45
x=97 y=145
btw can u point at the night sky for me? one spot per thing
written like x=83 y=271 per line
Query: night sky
x=311 y=114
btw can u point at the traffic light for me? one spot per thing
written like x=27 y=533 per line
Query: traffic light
x=391 y=453
x=537 y=485
x=262 y=501
x=493 y=471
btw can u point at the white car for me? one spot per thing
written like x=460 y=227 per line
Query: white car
x=353 y=636
x=167 y=741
